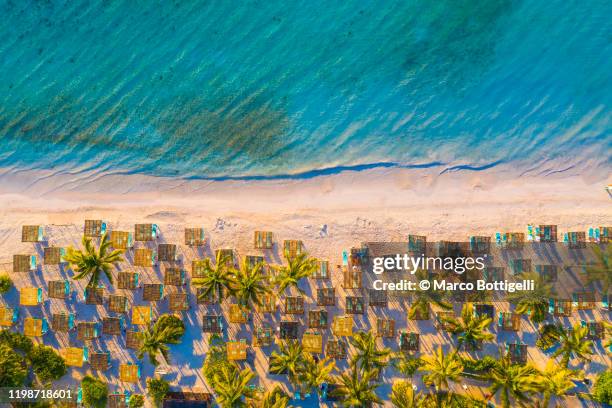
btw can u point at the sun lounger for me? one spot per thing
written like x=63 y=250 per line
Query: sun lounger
x=417 y=244
x=118 y=400
x=35 y=327
x=142 y=315
x=62 y=322
x=54 y=255
x=146 y=232
x=238 y=314
x=293 y=248
x=174 y=276
x=166 y=253
x=178 y=302
x=560 y=307
x=480 y=244
x=117 y=303
x=268 y=303
x=212 y=323
x=133 y=339
x=113 y=325
x=509 y=321
x=100 y=361
x=518 y=266
x=236 y=350
x=595 y=330
x=87 y=330
x=121 y=239
x=289 y=330
x=73 y=356
x=343 y=326
x=326 y=297
x=575 y=239
x=294 y=305
x=144 y=257
x=385 y=327
x=94 y=228
x=354 y=305
x=8 y=316
x=127 y=280
x=129 y=373
x=378 y=298
x=94 y=296
x=318 y=319
x=263 y=240
x=194 y=236
x=59 y=289
x=583 y=300
x=152 y=292
x=312 y=342
x=263 y=336
x=32 y=233
x=322 y=271
x=517 y=352
x=336 y=349
x=409 y=342
x=30 y=296
x=24 y=263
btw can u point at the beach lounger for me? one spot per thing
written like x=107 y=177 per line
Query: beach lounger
x=509 y=321
x=62 y=322
x=263 y=240
x=33 y=327
x=292 y=248
x=322 y=271
x=409 y=342
x=144 y=257
x=560 y=307
x=194 y=237
x=30 y=296
x=166 y=253
x=117 y=304
x=480 y=244
x=54 y=255
x=312 y=342
x=583 y=300
x=24 y=263
x=142 y=315
x=133 y=339
x=238 y=314
x=97 y=360
x=120 y=400
x=326 y=297
x=198 y=268
x=237 y=350
x=354 y=305
x=513 y=240
x=73 y=356
x=113 y=325
x=212 y=323
x=518 y=266
x=59 y=289
x=94 y=296
x=32 y=233
x=127 y=280
x=343 y=326
x=318 y=319
x=547 y=233
x=178 y=302
x=548 y=273
x=417 y=244
x=8 y=316
x=146 y=232
x=94 y=228
x=605 y=235
x=268 y=303
x=576 y=239
x=174 y=276
x=595 y=330
x=121 y=239
x=152 y=292
x=517 y=352
x=87 y=331
x=288 y=330
x=385 y=327
x=263 y=336
x=294 y=305
x=336 y=349
x=227 y=254
x=378 y=298
x=129 y=372
x=484 y=310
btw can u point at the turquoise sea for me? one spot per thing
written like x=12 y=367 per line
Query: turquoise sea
x=257 y=89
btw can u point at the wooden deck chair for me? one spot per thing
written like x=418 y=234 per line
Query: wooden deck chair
x=146 y=232
x=94 y=228
x=194 y=236
x=24 y=263
x=121 y=239
x=32 y=233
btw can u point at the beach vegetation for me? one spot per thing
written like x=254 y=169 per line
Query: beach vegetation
x=275 y=398
x=13 y=367
x=95 y=392
x=232 y=386
x=157 y=388
x=407 y=365
x=471 y=330
x=368 y=356
x=288 y=360
x=91 y=263
x=441 y=368
x=424 y=299
x=16 y=341
x=555 y=381
x=314 y=373
x=514 y=382
x=219 y=279
x=216 y=359
x=357 y=388
x=477 y=367
x=5 y=283
x=298 y=267
x=533 y=303
x=136 y=401
x=168 y=329
x=602 y=391
x=549 y=336
x=573 y=343
x=46 y=363
x=250 y=284
x=403 y=395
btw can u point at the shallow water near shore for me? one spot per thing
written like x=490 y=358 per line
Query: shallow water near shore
x=270 y=89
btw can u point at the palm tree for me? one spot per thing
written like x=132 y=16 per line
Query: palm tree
x=555 y=380
x=533 y=302
x=276 y=398
x=250 y=284
x=91 y=263
x=313 y=373
x=298 y=267
x=601 y=271
x=403 y=395
x=471 y=329
x=441 y=368
x=357 y=389
x=288 y=360
x=368 y=356
x=574 y=342
x=512 y=380
x=218 y=278
x=232 y=387
x=425 y=298
x=167 y=330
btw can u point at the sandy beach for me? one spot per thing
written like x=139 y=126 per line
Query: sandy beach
x=328 y=214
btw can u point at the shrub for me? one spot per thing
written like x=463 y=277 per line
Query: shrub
x=16 y=341
x=478 y=366
x=549 y=336
x=603 y=388
x=46 y=363
x=5 y=283
x=95 y=392
x=136 y=401
x=168 y=320
x=158 y=388
x=408 y=365
x=13 y=369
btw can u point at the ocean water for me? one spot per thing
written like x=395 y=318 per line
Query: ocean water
x=256 y=89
